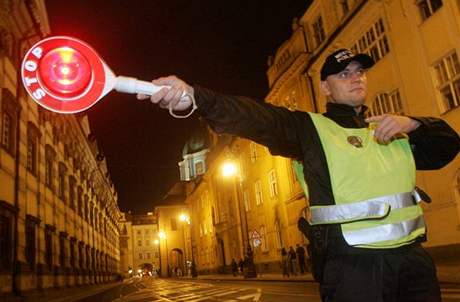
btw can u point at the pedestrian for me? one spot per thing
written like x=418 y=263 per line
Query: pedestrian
x=292 y=261
x=366 y=222
x=241 y=265
x=234 y=266
x=300 y=251
x=285 y=262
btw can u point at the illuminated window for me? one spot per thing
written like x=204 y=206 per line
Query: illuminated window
x=72 y=188
x=428 y=7
x=49 y=162
x=61 y=183
x=447 y=71
x=32 y=146
x=387 y=103
x=272 y=184
x=374 y=42
x=80 y=201
x=344 y=6
x=318 y=31
x=263 y=239
x=279 y=239
x=247 y=202
x=258 y=192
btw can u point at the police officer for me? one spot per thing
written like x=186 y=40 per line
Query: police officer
x=360 y=172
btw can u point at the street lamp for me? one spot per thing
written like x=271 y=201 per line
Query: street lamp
x=185 y=219
x=229 y=169
x=162 y=235
x=157 y=243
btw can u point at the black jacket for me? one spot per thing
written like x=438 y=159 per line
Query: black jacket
x=292 y=134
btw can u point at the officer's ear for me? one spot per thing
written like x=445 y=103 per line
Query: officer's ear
x=325 y=88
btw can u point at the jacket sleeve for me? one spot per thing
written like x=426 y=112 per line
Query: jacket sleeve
x=434 y=143
x=269 y=125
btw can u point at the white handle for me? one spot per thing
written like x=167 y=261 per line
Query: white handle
x=133 y=85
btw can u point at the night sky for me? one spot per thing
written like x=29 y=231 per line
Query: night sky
x=219 y=44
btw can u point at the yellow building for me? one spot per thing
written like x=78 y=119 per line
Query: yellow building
x=58 y=206
x=139 y=244
x=174 y=239
x=416 y=46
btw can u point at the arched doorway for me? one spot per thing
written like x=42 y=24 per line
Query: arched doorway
x=177 y=262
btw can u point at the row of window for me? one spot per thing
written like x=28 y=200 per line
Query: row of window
x=370 y=41
x=8 y=129
x=147 y=256
x=88 y=258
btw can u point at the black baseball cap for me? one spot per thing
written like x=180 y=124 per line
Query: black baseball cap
x=339 y=60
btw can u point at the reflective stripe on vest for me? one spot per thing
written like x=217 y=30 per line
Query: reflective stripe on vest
x=374 y=208
x=385 y=232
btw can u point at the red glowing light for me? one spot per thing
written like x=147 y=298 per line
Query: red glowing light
x=65 y=72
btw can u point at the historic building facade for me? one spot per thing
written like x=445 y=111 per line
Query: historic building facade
x=173 y=237
x=139 y=244
x=58 y=207
x=416 y=45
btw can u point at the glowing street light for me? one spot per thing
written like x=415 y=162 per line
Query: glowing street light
x=162 y=235
x=156 y=242
x=229 y=169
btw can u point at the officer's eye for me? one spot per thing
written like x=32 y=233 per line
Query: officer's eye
x=344 y=74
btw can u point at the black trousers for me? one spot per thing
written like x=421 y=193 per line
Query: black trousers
x=404 y=275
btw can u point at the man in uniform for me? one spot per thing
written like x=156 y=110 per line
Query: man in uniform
x=365 y=223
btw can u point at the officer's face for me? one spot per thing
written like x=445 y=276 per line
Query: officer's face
x=347 y=87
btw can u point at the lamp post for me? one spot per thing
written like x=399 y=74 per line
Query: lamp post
x=162 y=235
x=157 y=243
x=230 y=169
x=185 y=219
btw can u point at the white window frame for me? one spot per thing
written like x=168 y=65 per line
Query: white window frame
x=374 y=42
x=426 y=8
x=246 y=201
x=263 y=239
x=258 y=192
x=319 y=33
x=447 y=79
x=279 y=239
x=272 y=183
x=387 y=103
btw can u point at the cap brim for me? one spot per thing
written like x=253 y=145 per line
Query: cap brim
x=365 y=60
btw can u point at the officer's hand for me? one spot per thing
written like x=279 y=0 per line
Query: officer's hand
x=389 y=125
x=169 y=96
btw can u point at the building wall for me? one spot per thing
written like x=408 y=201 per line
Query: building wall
x=173 y=252
x=407 y=48
x=58 y=206
x=144 y=249
x=405 y=67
